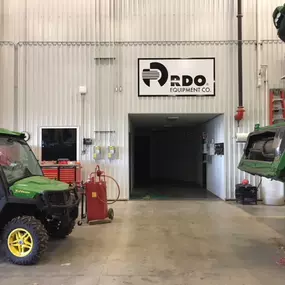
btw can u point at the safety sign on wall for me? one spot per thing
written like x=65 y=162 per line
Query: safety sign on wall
x=176 y=77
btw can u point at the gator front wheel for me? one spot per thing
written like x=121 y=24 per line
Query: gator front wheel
x=25 y=240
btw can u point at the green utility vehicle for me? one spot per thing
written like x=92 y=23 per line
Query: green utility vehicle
x=32 y=207
x=264 y=152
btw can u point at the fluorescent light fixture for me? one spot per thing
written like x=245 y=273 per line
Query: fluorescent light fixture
x=172 y=118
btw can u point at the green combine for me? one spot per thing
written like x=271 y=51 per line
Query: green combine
x=32 y=207
x=264 y=152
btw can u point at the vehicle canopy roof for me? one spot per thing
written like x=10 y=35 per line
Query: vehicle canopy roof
x=5 y=132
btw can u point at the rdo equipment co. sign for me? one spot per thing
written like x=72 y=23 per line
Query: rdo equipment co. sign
x=176 y=77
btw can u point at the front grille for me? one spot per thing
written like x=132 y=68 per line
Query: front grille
x=60 y=198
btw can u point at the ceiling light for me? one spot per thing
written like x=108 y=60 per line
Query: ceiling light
x=172 y=118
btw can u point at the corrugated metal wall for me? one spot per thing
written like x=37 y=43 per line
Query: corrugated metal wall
x=49 y=74
x=120 y=20
x=7 y=84
x=133 y=20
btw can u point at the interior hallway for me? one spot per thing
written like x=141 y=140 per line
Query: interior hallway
x=163 y=242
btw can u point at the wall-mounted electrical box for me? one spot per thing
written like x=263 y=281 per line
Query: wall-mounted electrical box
x=112 y=152
x=87 y=141
x=82 y=90
x=97 y=152
x=219 y=148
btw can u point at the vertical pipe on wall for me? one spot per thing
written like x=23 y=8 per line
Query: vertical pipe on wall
x=258 y=45
x=265 y=96
x=240 y=68
x=16 y=97
x=2 y=20
x=25 y=112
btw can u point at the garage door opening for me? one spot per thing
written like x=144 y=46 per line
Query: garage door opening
x=167 y=159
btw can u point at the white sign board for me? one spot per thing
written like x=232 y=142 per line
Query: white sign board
x=176 y=77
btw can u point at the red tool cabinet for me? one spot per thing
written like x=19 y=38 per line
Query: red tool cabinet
x=68 y=173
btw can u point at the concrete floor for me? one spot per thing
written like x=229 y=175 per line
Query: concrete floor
x=165 y=242
x=178 y=190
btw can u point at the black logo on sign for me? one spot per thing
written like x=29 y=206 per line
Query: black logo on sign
x=159 y=72
x=153 y=74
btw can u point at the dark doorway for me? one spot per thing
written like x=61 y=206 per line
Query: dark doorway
x=142 y=161
x=166 y=161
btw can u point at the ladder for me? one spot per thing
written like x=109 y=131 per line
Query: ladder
x=277 y=106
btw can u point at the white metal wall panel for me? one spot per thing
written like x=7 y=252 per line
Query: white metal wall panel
x=134 y=20
x=59 y=20
x=6 y=85
x=125 y=20
x=49 y=80
x=273 y=55
x=14 y=20
x=265 y=9
x=172 y=20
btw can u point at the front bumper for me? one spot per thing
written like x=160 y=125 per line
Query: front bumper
x=61 y=205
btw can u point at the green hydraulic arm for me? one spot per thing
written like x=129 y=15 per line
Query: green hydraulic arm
x=279 y=21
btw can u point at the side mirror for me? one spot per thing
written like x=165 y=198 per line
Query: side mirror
x=27 y=136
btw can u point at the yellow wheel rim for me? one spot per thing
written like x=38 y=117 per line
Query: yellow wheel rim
x=20 y=242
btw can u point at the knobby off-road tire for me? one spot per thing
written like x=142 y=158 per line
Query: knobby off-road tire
x=62 y=232
x=37 y=240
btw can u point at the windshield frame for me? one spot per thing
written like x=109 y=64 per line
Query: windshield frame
x=21 y=141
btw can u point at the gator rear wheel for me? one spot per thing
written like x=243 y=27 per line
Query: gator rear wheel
x=61 y=231
x=25 y=240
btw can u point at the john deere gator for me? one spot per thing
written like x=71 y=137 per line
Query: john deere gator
x=32 y=207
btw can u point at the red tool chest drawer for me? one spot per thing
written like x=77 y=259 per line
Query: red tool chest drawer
x=51 y=172
x=67 y=174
